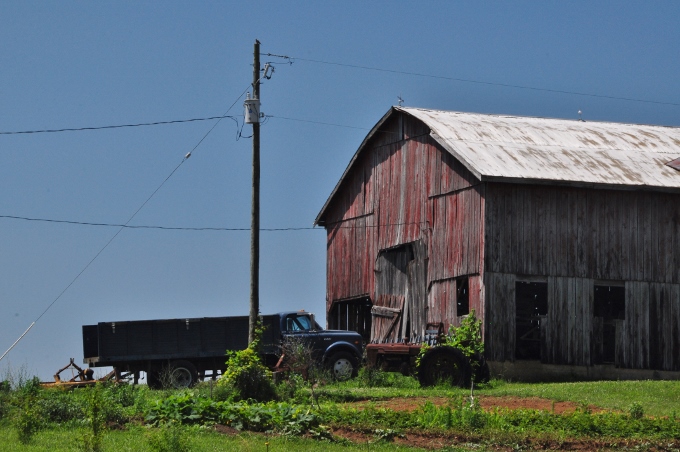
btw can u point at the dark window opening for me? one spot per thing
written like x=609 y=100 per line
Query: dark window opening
x=609 y=306
x=610 y=302
x=531 y=305
x=352 y=315
x=462 y=296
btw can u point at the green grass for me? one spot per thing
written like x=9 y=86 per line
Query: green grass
x=658 y=398
x=62 y=439
x=61 y=417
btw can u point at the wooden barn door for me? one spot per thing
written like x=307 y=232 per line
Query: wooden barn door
x=401 y=283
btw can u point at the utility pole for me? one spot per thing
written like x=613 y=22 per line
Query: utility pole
x=255 y=212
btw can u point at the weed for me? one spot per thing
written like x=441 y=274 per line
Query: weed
x=28 y=420
x=95 y=414
x=169 y=438
x=387 y=434
x=371 y=377
x=636 y=411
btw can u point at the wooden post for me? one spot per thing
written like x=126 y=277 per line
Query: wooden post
x=255 y=209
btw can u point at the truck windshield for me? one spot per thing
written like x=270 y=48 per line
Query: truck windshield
x=299 y=323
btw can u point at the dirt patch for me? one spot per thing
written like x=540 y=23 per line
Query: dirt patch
x=226 y=430
x=488 y=403
x=440 y=441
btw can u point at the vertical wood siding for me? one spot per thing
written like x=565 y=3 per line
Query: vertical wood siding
x=648 y=338
x=567 y=328
x=499 y=316
x=456 y=243
x=401 y=189
x=585 y=233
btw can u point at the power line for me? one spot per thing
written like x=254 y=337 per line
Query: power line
x=124 y=226
x=478 y=82
x=173 y=228
x=118 y=126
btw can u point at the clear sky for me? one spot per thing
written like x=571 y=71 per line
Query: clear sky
x=87 y=64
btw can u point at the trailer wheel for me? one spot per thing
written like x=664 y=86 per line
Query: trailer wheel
x=342 y=365
x=183 y=375
x=444 y=364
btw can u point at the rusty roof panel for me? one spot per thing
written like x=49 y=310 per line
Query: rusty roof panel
x=571 y=151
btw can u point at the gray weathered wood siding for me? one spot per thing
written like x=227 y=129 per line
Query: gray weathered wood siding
x=580 y=232
x=576 y=238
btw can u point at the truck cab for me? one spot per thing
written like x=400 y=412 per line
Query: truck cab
x=340 y=351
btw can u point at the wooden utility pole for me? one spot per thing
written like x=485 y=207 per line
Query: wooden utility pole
x=255 y=212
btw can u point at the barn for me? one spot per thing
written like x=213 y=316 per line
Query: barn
x=562 y=235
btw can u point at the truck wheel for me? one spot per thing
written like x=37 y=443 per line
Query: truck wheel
x=343 y=366
x=444 y=364
x=183 y=375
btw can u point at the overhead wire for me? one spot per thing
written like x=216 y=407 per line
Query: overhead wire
x=117 y=126
x=124 y=226
x=177 y=228
x=292 y=59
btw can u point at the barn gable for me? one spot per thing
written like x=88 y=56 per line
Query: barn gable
x=563 y=236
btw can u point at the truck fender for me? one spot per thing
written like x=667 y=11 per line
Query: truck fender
x=341 y=346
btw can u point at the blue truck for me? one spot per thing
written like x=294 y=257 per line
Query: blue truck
x=189 y=350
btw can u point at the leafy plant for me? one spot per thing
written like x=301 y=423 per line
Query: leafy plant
x=246 y=376
x=467 y=338
x=95 y=414
x=169 y=438
x=636 y=411
x=28 y=420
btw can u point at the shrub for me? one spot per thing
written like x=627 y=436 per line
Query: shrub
x=246 y=376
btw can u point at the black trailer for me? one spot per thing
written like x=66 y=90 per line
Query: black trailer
x=194 y=348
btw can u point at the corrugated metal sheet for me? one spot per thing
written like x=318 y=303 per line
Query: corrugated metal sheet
x=541 y=149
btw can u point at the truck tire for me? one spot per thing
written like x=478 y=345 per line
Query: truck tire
x=343 y=366
x=183 y=374
x=444 y=364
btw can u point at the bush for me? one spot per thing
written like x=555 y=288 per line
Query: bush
x=246 y=376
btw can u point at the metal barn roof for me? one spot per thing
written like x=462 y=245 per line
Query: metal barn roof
x=542 y=149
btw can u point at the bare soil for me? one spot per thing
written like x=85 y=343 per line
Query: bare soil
x=437 y=441
x=488 y=403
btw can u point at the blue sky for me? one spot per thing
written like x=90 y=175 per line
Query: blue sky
x=87 y=64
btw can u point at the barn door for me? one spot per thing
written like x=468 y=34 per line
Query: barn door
x=400 y=284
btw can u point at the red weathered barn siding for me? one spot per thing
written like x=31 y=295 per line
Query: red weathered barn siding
x=400 y=191
x=441 y=305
